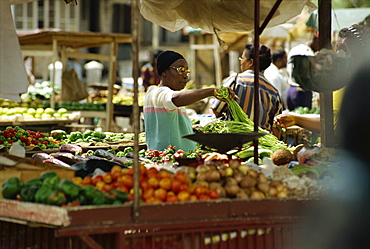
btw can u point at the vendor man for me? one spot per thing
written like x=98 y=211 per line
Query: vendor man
x=165 y=117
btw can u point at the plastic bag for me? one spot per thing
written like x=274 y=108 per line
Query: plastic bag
x=73 y=89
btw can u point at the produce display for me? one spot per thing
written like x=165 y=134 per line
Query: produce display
x=306 y=110
x=26 y=138
x=104 y=176
x=24 y=113
x=50 y=189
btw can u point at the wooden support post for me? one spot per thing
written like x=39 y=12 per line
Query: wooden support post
x=111 y=81
x=326 y=99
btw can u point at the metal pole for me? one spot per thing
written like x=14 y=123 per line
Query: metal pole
x=136 y=112
x=256 y=108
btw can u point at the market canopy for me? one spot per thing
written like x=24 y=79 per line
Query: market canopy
x=217 y=15
x=341 y=18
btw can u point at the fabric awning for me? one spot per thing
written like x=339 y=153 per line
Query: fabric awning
x=217 y=15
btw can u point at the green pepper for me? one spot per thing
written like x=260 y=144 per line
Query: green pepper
x=11 y=188
x=35 y=181
x=127 y=150
x=51 y=181
x=115 y=194
x=28 y=192
x=99 y=198
x=74 y=135
x=99 y=134
x=111 y=151
x=120 y=154
x=43 y=193
x=88 y=192
x=87 y=133
x=58 y=134
x=56 y=198
x=69 y=188
x=90 y=152
x=47 y=174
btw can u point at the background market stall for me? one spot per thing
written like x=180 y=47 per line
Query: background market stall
x=63 y=45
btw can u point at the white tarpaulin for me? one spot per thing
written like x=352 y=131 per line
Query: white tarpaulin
x=217 y=15
x=13 y=76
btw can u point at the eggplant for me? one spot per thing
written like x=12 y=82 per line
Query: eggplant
x=122 y=160
x=41 y=156
x=94 y=158
x=67 y=157
x=142 y=159
x=72 y=148
x=104 y=154
x=56 y=161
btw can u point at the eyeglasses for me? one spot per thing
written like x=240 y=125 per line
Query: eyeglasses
x=181 y=70
x=242 y=59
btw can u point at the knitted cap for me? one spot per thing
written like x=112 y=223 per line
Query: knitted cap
x=165 y=59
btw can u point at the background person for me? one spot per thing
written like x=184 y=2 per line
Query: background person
x=354 y=42
x=270 y=101
x=274 y=73
x=149 y=73
x=165 y=117
x=296 y=96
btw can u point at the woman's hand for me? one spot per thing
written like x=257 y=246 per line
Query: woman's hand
x=231 y=94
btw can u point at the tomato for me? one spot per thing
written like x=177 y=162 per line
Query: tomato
x=96 y=179
x=214 y=194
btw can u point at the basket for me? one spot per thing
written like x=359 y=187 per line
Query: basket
x=325 y=72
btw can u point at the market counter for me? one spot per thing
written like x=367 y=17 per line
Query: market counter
x=268 y=223
x=42 y=125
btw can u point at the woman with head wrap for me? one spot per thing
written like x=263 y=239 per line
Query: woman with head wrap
x=165 y=117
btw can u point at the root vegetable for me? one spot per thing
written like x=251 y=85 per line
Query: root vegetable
x=248 y=182
x=234 y=163
x=242 y=195
x=202 y=168
x=243 y=169
x=261 y=177
x=238 y=176
x=231 y=180
x=213 y=175
x=257 y=195
x=226 y=172
x=252 y=173
x=272 y=192
x=281 y=156
x=201 y=176
x=282 y=194
x=231 y=190
x=263 y=186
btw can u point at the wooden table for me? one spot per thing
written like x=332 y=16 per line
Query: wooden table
x=61 y=45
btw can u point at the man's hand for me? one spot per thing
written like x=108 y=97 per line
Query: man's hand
x=285 y=120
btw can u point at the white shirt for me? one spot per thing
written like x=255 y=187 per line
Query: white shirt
x=301 y=49
x=276 y=78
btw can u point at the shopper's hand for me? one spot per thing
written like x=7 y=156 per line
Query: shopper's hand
x=285 y=120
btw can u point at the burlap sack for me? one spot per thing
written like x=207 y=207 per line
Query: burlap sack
x=73 y=89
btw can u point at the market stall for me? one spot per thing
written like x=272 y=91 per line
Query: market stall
x=250 y=222
x=217 y=224
x=62 y=45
